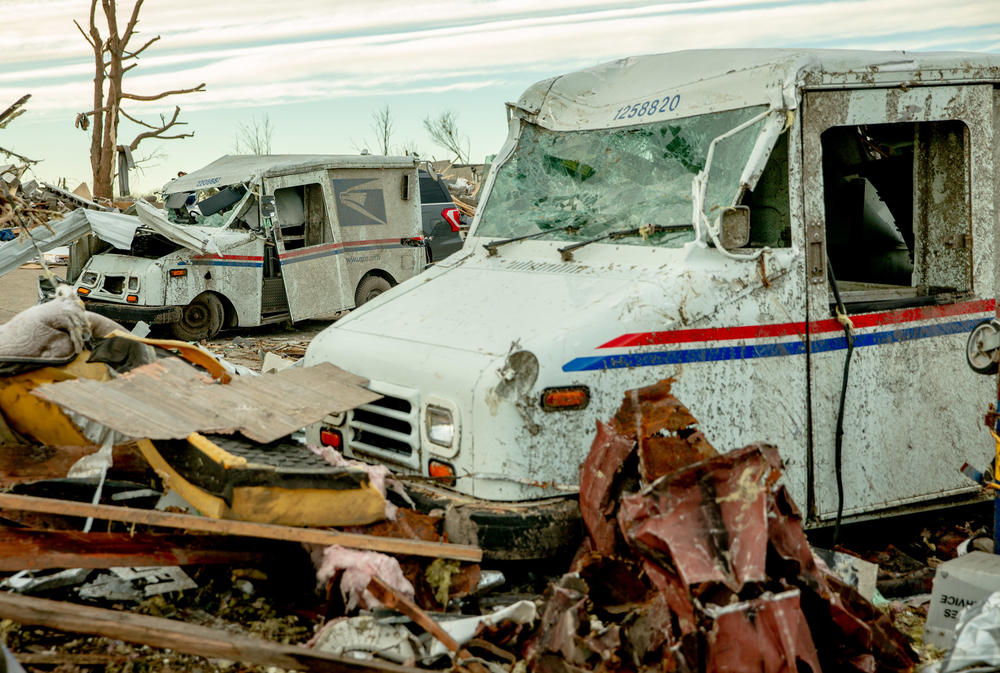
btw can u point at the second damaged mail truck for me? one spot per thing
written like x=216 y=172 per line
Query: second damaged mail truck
x=250 y=240
x=694 y=215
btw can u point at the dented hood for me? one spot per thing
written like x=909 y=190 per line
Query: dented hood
x=483 y=304
x=189 y=237
x=207 y=240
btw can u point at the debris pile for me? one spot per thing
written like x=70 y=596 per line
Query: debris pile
x=27 y=205
x=693 y=560
x=464 y=182
x=698 y=561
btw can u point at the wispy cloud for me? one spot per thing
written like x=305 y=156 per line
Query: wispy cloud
x=272 y=53
x=266 y=54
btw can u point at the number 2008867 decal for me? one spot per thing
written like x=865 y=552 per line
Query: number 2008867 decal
x=647 y=108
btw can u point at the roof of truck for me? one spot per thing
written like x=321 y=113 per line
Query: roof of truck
x=685 y=83
x=234 y=169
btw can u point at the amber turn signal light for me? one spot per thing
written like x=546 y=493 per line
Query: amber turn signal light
x=177 y=273
x=441 y=471
x=570 y=397
x=132 y=298
x=82 y=290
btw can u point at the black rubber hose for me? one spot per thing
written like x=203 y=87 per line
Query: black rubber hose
x=838 y=444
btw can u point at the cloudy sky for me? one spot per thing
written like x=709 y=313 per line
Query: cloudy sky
x=318 y=69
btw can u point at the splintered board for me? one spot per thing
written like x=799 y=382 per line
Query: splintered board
x=170 y=399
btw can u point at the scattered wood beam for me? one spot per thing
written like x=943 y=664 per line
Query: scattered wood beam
x=22 y=548
x=269 y=531
x=181 y=637
x=394 y=601
x=25 y=463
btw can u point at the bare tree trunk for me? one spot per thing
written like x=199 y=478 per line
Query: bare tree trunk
x=110 y=55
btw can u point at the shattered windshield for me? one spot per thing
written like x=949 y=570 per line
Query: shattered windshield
x=576 y=185
x=207 y=208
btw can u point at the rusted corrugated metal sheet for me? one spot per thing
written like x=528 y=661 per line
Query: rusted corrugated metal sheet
x=170 y=399
x=698 y=561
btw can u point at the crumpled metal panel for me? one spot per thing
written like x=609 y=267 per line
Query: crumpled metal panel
x=711 y=517
x=187 y=237
x=597 y=474
x=58 y=232
x=170 y=399
x=707 y=534
x=765 y=635
x=115 y=228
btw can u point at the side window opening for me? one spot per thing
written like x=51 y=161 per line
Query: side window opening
x=431 y=191
x=897 y=210
x=770 y=220
x=302 y=216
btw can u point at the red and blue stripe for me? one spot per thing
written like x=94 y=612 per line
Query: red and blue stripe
x=790 y=338
x=327 y=249
x=225 y=260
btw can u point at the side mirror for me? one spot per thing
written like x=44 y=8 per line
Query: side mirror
x=734 y=227
x=982 y=350
x=268 y=207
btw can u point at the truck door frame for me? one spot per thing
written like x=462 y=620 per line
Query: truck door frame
x=894 y=455
x=312 y=277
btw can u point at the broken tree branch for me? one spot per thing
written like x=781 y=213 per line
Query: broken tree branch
x=130 y=26
x=164 y=94
x=269 y=531
x=136 y=121
x=19 y=157
x=85 y=36
x=159 y=132
x=135 y=54
x=14 y=110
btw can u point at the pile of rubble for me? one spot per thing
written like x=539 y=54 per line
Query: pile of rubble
x=27 y=205
x=691 y=559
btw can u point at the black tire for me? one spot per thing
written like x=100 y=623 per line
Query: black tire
x=369 y=288
x=201 y=319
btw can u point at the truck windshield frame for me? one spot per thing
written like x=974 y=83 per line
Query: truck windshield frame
x=580 y=185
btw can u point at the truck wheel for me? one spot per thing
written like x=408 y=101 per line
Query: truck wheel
x=369 y=288
x=201 y=319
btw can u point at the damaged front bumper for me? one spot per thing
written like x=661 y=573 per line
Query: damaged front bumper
x=154 y=315
x=505 y=531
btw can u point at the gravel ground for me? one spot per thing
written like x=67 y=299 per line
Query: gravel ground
x=18 y=290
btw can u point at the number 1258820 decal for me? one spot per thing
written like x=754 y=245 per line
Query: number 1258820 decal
x=648 y=107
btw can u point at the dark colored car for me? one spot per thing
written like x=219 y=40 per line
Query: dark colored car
x=441 y=219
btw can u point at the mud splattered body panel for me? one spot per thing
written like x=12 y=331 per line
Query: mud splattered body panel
x=906 y=214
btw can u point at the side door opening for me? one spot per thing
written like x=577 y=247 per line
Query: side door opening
x=895 y=186
x=306 y=248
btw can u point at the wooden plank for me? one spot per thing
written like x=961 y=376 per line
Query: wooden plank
x=22 y=548
x=269 y=531
x=169 y=399
x=385 y=595
x=65 y=658
x=181 y=637
x=33 y=462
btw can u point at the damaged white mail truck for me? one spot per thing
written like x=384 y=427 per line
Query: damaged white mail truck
x=695 y=215
x=249 y=240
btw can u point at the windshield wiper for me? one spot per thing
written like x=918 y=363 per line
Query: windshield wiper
x=492 y=247
x=645 y=230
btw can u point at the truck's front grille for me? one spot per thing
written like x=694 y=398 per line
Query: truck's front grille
x=387 y=428
x=114 y=284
